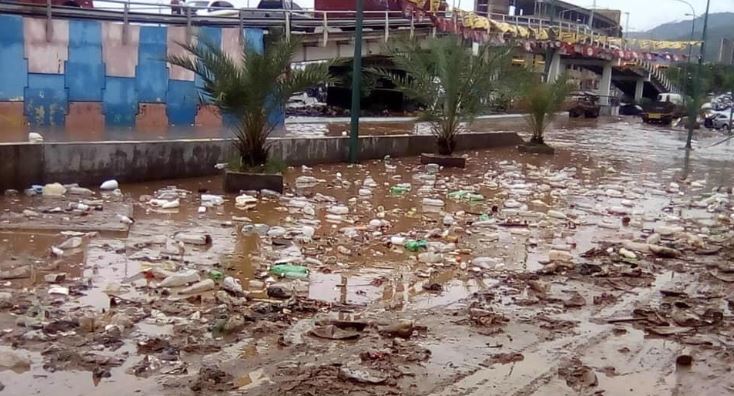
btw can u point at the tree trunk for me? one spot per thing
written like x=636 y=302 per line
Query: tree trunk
x=446 y=145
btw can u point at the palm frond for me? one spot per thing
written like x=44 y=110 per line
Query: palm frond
x=452 y=84
x=249 y=87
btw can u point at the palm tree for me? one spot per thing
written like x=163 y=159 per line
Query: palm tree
x=543 y=101
x=249 y=87
x=452 y=83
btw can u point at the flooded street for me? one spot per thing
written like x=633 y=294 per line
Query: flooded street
x=604 y=269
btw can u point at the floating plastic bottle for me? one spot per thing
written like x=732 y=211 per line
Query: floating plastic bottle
x=400 y=189
x=180 y=279
x=433 y=202
x=415 y=246
x=462 y=195
x=289 y=271
x=216 y=275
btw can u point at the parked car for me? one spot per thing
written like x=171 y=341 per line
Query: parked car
x=61 y=3
x=721 y=121
x=630 y=109
x=267 y=9
x=211 y=8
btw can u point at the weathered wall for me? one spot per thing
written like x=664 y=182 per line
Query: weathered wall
x=99 y=70
x=89 y=163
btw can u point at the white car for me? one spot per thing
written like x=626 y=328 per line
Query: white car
x=722 y=121
x=211 y=8
x=265 y=8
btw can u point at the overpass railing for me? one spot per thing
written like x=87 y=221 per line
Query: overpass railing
x=302 y=21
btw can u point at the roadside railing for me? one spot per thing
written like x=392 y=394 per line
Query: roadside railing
x=291 y=20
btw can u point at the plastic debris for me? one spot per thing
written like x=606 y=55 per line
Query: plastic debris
x=180 y=279
x=110 y=185
x=289 y=271
x=193 y=238
x=53 y=190
x=198 y=287
x=415 y=246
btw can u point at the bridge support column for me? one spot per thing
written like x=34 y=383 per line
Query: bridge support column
x=605 y=85
x=639 y=89
x=556 y=67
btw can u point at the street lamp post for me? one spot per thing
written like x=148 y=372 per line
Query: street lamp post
x=699 y=72
x=356 y=85
x=693 y=33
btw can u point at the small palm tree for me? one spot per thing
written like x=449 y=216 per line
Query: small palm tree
x=249 y=88
x=452 y=83
x=543 y=101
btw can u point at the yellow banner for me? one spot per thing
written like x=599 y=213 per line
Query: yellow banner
x=474 y=21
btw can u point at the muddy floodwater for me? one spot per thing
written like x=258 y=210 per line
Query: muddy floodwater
x=607 y=268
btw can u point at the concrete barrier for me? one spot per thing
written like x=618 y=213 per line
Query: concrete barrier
x=89 y=163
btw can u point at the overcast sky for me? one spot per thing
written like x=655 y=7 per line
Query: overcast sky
x=644 y=14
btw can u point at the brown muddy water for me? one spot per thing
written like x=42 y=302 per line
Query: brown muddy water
x=588 y=272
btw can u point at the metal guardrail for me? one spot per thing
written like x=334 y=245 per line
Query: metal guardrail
x=308 y=20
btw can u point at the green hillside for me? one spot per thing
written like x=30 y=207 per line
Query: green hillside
x=721 y=25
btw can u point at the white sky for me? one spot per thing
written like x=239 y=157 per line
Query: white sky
x=644 y=14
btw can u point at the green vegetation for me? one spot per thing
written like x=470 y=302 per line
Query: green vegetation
x=451 y=83
x=249 y=88
x=543 y=101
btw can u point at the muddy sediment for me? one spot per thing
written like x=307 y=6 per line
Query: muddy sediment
x=603 y=269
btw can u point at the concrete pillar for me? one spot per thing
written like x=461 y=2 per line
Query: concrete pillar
x=556 y=67
x=639 y=89
x=605 y=85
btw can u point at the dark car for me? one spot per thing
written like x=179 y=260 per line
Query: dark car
x=630 y=109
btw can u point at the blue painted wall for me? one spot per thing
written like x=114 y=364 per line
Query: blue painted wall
x=13 y=66
x=181 y=102
x=151 y=74
x=84 y=69
x=45 y=100
x=46 y=97
x=120 y=101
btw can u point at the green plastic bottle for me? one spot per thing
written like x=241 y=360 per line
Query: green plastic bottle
x=399 y=189
x=415 y=246
x=215 y=275
x=289 y=271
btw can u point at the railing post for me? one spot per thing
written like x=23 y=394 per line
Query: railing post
x=49 y=22
x=125 y=23
x=325 y=39
x=387 y=25
x=241 y=18
x=287 y=14
x=188 y=24
x=412 y=25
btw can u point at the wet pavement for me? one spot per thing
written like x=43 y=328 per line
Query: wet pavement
x=599 y=270
x=294 y=127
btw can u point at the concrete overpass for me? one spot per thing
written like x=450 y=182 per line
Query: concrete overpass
x=71 y=67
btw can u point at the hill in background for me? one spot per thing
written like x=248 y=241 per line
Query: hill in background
x=721 y=25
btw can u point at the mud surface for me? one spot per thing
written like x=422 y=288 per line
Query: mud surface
x=605 y=269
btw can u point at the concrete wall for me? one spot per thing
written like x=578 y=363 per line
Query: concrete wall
x=89 y=163
x=99 y=70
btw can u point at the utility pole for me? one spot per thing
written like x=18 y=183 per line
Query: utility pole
x=591 y=16
x=626 y=28
x=356 y=85
x=698 y=89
